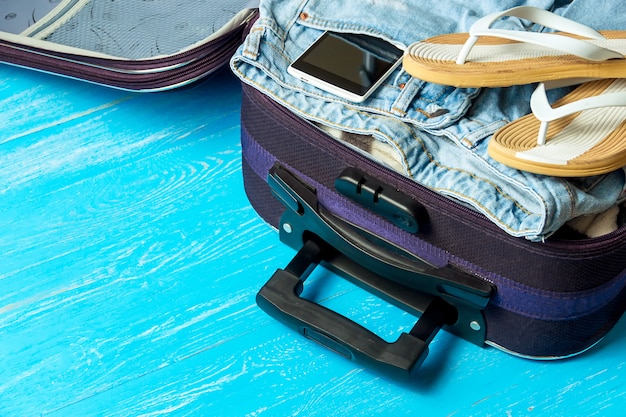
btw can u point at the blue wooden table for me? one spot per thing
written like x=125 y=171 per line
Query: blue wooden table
x=130 y=263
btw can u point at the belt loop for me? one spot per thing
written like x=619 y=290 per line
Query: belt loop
x=253 y=42
x=409 y=88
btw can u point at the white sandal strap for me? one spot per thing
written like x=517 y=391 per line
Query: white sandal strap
x=581 y=48
x=544 y=112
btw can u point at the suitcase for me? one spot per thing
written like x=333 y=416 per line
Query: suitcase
x=437 y=259
x=121 y=44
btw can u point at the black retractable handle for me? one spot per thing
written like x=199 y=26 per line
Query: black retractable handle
x=440 y=296
x=280 y=298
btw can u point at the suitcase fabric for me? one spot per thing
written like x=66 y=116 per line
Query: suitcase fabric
x=134 y=45
x=540 y=300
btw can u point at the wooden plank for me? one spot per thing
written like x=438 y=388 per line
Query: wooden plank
x=123 y=231
x=272 y=371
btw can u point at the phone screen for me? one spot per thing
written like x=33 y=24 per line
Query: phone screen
x=349 y=65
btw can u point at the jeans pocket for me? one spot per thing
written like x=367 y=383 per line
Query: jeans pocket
x=425 y=105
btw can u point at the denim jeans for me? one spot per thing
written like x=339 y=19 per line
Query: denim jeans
x=440 y=133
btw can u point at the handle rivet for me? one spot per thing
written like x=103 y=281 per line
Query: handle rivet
x=287 y=228
x=475 y=325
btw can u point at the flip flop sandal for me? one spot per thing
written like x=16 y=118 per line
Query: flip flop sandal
x=583 y=134
x=487 y=57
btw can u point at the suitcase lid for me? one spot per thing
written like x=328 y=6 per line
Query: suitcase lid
x=133 y=45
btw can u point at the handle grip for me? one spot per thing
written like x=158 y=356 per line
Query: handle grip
x=280 y=298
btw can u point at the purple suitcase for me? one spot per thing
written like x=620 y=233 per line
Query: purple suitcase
x=133 y=45
x=429 y=255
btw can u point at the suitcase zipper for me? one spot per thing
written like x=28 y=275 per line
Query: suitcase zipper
x=142 y=75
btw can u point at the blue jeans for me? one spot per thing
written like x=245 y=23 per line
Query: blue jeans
x=439 y=133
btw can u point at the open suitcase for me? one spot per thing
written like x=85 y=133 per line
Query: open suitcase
x=133 y=45
x=423 y=252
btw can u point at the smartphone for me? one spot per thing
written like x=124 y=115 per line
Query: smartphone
x=348 y=65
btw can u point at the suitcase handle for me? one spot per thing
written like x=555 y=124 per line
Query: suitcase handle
x=280 y=298
x=305 y=217
x=442 y=295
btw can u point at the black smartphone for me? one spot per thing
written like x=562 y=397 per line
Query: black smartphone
x=348 y=65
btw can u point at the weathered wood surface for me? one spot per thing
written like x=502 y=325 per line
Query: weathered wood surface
x=130 y=263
